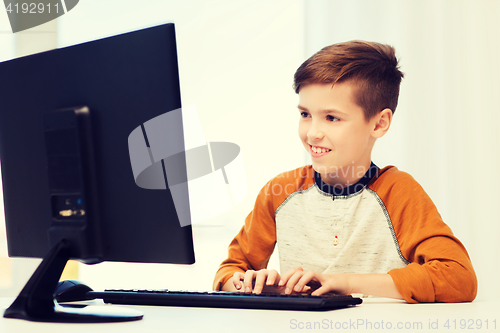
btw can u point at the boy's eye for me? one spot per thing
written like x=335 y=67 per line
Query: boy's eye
x=332 y=118
x=304 y=114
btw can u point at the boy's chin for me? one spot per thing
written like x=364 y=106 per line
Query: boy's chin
x=325 y=170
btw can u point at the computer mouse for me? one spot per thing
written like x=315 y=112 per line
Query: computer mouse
x=71 y=291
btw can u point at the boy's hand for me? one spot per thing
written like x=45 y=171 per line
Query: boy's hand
x=264 y=280
x=299 y=281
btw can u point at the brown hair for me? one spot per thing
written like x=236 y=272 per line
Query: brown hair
x=373 y=66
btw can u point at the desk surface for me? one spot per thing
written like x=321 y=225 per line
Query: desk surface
x=374 y=315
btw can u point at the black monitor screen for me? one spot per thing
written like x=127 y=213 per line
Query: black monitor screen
x=66 y=118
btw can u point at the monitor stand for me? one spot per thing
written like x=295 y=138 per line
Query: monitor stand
x=36 y=301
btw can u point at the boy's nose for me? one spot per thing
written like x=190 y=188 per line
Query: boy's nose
x=315 y=133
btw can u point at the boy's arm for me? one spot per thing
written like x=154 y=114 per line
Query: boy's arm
x=299 y=280
x=445 y=274
x=253 y=245
x=381 y=285
x=440 y=269
x=244 y=255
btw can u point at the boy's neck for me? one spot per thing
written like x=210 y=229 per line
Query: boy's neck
x=344 y=177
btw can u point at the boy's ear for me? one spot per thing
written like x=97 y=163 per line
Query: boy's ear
x=382 y=122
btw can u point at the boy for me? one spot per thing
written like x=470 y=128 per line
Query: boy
x=342 y=224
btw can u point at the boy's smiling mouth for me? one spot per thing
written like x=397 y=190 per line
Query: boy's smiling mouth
x=318 y=151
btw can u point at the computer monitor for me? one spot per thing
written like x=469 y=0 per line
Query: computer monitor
x=69 y=175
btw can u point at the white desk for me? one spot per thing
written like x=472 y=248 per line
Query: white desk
x=374 y=315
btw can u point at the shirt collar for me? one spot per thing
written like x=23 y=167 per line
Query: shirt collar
x=373 y=171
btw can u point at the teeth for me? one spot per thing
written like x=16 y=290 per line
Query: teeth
x=318 y=150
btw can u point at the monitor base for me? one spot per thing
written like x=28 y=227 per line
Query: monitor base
x=36 y=302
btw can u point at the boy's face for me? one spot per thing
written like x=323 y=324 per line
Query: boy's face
x=335 y=133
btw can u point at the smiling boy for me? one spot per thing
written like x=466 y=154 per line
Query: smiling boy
x=342 y=224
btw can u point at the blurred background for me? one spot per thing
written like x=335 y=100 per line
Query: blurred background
x=237 y=60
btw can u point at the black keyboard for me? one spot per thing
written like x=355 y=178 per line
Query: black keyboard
x=225 y=299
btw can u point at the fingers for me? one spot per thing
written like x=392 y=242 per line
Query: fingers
x=272 y=278
x=320 y=291
x=260 y=279
x=288 y=275
x=255 y=281
x=248 y=281
x=319 y=284
x=295 y=281
x=298 y=282
x=290 y=279
x=265 y=278
x=237 y=278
